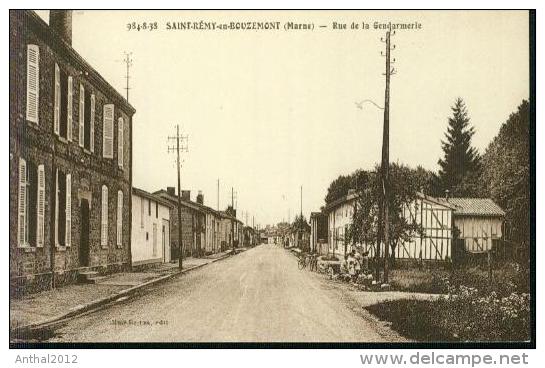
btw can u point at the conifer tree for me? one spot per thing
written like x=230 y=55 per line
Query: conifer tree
x=461 y=161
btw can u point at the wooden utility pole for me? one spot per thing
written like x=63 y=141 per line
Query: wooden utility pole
x=386 y=160
x=232 y=221
x=179 y=147
x=128 y=62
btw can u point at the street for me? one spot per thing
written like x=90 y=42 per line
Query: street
x=257 y=296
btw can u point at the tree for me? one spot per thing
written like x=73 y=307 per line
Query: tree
x=300 y=222
x=338 y=188
x=461 y=162
x=506 y=173
x=404 y=186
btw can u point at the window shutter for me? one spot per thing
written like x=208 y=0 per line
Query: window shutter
x=41 y=207
x=81 y=115
x=32 y=83
x=108 y=131
x=92 y=121
x=57 y=102
x=104 y=217
x=69 y=110
x=119 y=218
x=120 y=142
x=68 y=227
x=57 y=207
x=22 y=233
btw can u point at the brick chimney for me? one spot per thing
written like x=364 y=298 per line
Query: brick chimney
x=186 y=195
x=61 y=22
x=171 y=191
x=200 y=198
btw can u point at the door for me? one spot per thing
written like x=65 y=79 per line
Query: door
x=166 y=241
x=154 y=243
x=84 y=237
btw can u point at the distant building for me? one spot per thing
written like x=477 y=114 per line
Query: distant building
x=70 y=159
x=150 y=235
x=318 y=233
x=204 y=230
x=193 y=224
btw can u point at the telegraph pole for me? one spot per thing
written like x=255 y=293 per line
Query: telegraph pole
x=233 y=215
x=386 y=158
x=218 y=191
x=128 y=62
x=179 y=147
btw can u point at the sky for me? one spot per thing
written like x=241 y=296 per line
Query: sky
x=267 y=112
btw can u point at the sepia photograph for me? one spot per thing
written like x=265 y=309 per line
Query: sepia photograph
x=271 y=178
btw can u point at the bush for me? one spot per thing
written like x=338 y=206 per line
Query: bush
x=507 y=279
x=462 y=315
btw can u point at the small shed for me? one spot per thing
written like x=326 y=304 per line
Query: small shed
x=479 y=222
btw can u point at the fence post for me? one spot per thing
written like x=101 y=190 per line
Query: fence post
x=489 y=259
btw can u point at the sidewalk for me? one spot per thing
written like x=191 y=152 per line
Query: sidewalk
x=47 y=307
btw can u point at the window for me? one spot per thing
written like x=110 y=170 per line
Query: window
x=149 y=207
x=32 y=83
x=108 y=131
x=156 y=209
x=86 y=119
x=63 y=209
x=63 y=104
x=104 y=217
x=120 y=142
x=22 y=209
x=119 y=218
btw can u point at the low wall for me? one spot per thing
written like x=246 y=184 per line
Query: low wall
x=19 y=286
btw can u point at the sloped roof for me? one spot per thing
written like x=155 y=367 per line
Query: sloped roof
x=142 y=193
x=476 y=207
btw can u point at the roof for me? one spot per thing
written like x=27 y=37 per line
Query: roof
x=60 y=46
x=460 y=206
x=336 y=203
x=174 y=200
x=476 y=207
x=153 y=197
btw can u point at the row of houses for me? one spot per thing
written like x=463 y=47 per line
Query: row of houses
x=72 y=205
x=449 y=225
x=155 y=234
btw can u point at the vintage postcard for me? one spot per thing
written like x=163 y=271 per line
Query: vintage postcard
x=271 y=177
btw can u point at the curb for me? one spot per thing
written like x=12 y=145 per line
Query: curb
x=21 y=332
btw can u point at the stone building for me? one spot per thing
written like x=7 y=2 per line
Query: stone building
x=70 y=162
x=193 y=224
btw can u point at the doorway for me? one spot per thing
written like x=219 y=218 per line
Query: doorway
x=166 y=241
x=84 y=237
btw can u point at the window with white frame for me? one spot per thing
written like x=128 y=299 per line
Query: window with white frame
x=104 y=217
x=108 y=131
x=86 y=119
x=63 y=96
x=31 y=204
x=33 y=83
x=120 y=142
x=119 y=218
